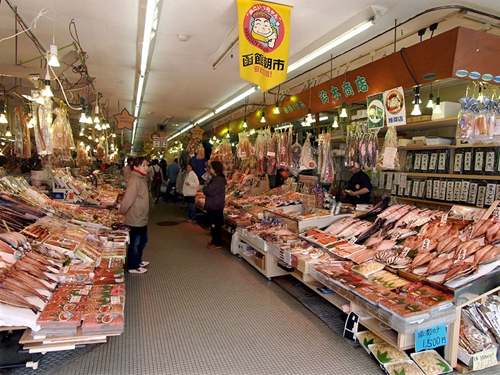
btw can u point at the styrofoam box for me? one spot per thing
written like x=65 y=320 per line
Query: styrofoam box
x=404 y=142
x=448 y=110
x=431 y=141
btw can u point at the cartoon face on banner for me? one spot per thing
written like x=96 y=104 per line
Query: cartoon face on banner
x=263 y=27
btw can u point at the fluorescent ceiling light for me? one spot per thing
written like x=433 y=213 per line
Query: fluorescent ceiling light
x=205 y=118
x=235 y=100
x=332 y=44
x=186 y=128
x=150 y=26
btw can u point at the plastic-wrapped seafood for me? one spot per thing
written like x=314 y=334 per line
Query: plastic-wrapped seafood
x=389 y=155
x=306 y=158
x=43 y=128
x=22 y=140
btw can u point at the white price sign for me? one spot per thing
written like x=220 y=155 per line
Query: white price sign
x=484 y=359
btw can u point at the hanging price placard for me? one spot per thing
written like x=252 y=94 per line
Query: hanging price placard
x=430 y=338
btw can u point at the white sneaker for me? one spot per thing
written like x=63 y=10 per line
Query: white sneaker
x=144 y=263
x=138 y=270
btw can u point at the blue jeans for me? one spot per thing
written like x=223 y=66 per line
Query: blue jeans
x=137 y=244
x=191 y=211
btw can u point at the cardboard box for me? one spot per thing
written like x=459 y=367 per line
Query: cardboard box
x=448 y=110
x=404 y=142
x=260 y=261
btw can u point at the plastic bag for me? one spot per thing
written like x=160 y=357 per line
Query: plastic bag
x=389 y=155
x=326 y=169
x=43 y=128
x=22 y=141
x=306 y=158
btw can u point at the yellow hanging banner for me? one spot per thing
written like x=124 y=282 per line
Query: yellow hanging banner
x=264 y=38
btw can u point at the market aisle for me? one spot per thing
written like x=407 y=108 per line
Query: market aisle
x=200 y=311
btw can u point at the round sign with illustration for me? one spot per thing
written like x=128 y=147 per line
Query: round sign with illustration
x=263 y=27
x=394 y=102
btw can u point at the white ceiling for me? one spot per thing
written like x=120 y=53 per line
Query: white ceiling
x=182 y=84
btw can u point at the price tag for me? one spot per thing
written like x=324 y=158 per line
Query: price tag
x=426 y=244
x=444 y=219
x=405 y=252
x=462 y=254
x=430 y=338
x=353 y=239
x=484 y=359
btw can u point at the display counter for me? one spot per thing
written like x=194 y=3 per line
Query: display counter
x=306 y=255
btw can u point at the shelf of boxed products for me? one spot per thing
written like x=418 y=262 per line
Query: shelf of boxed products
x=449 y=191
x=455 y=176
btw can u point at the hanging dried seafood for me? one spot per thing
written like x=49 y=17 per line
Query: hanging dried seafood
x=200 y=153
x=261 y=144
x=351 y=148
x=82 y=157
x=243 y=148
x=273 y=154
x=372 y=149
x=22 y=145
x=326 y=165
x=306 y=158
x=192 y=147
x=62 y=136
x=43 y=128
x=284 y=150
x=296 y=151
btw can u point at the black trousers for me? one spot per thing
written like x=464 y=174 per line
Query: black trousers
x=216 y=221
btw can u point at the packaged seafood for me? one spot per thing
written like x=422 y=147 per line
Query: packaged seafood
x=407 y=308
x=366 y=338
x=431 y=362
x=385 y=353
x=404 y=367
x=368 y=268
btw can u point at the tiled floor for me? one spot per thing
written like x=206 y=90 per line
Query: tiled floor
x=200 y=311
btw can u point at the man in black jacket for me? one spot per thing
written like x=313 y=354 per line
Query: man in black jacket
x=215 y=199
x=359 y=186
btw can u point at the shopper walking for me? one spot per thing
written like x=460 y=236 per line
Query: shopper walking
x=189 y=190
x=172 y=173
x=135 y=207
x=215 y=192
x=156 y=179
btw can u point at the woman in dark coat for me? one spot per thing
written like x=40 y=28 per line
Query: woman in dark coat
x=215 y=192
